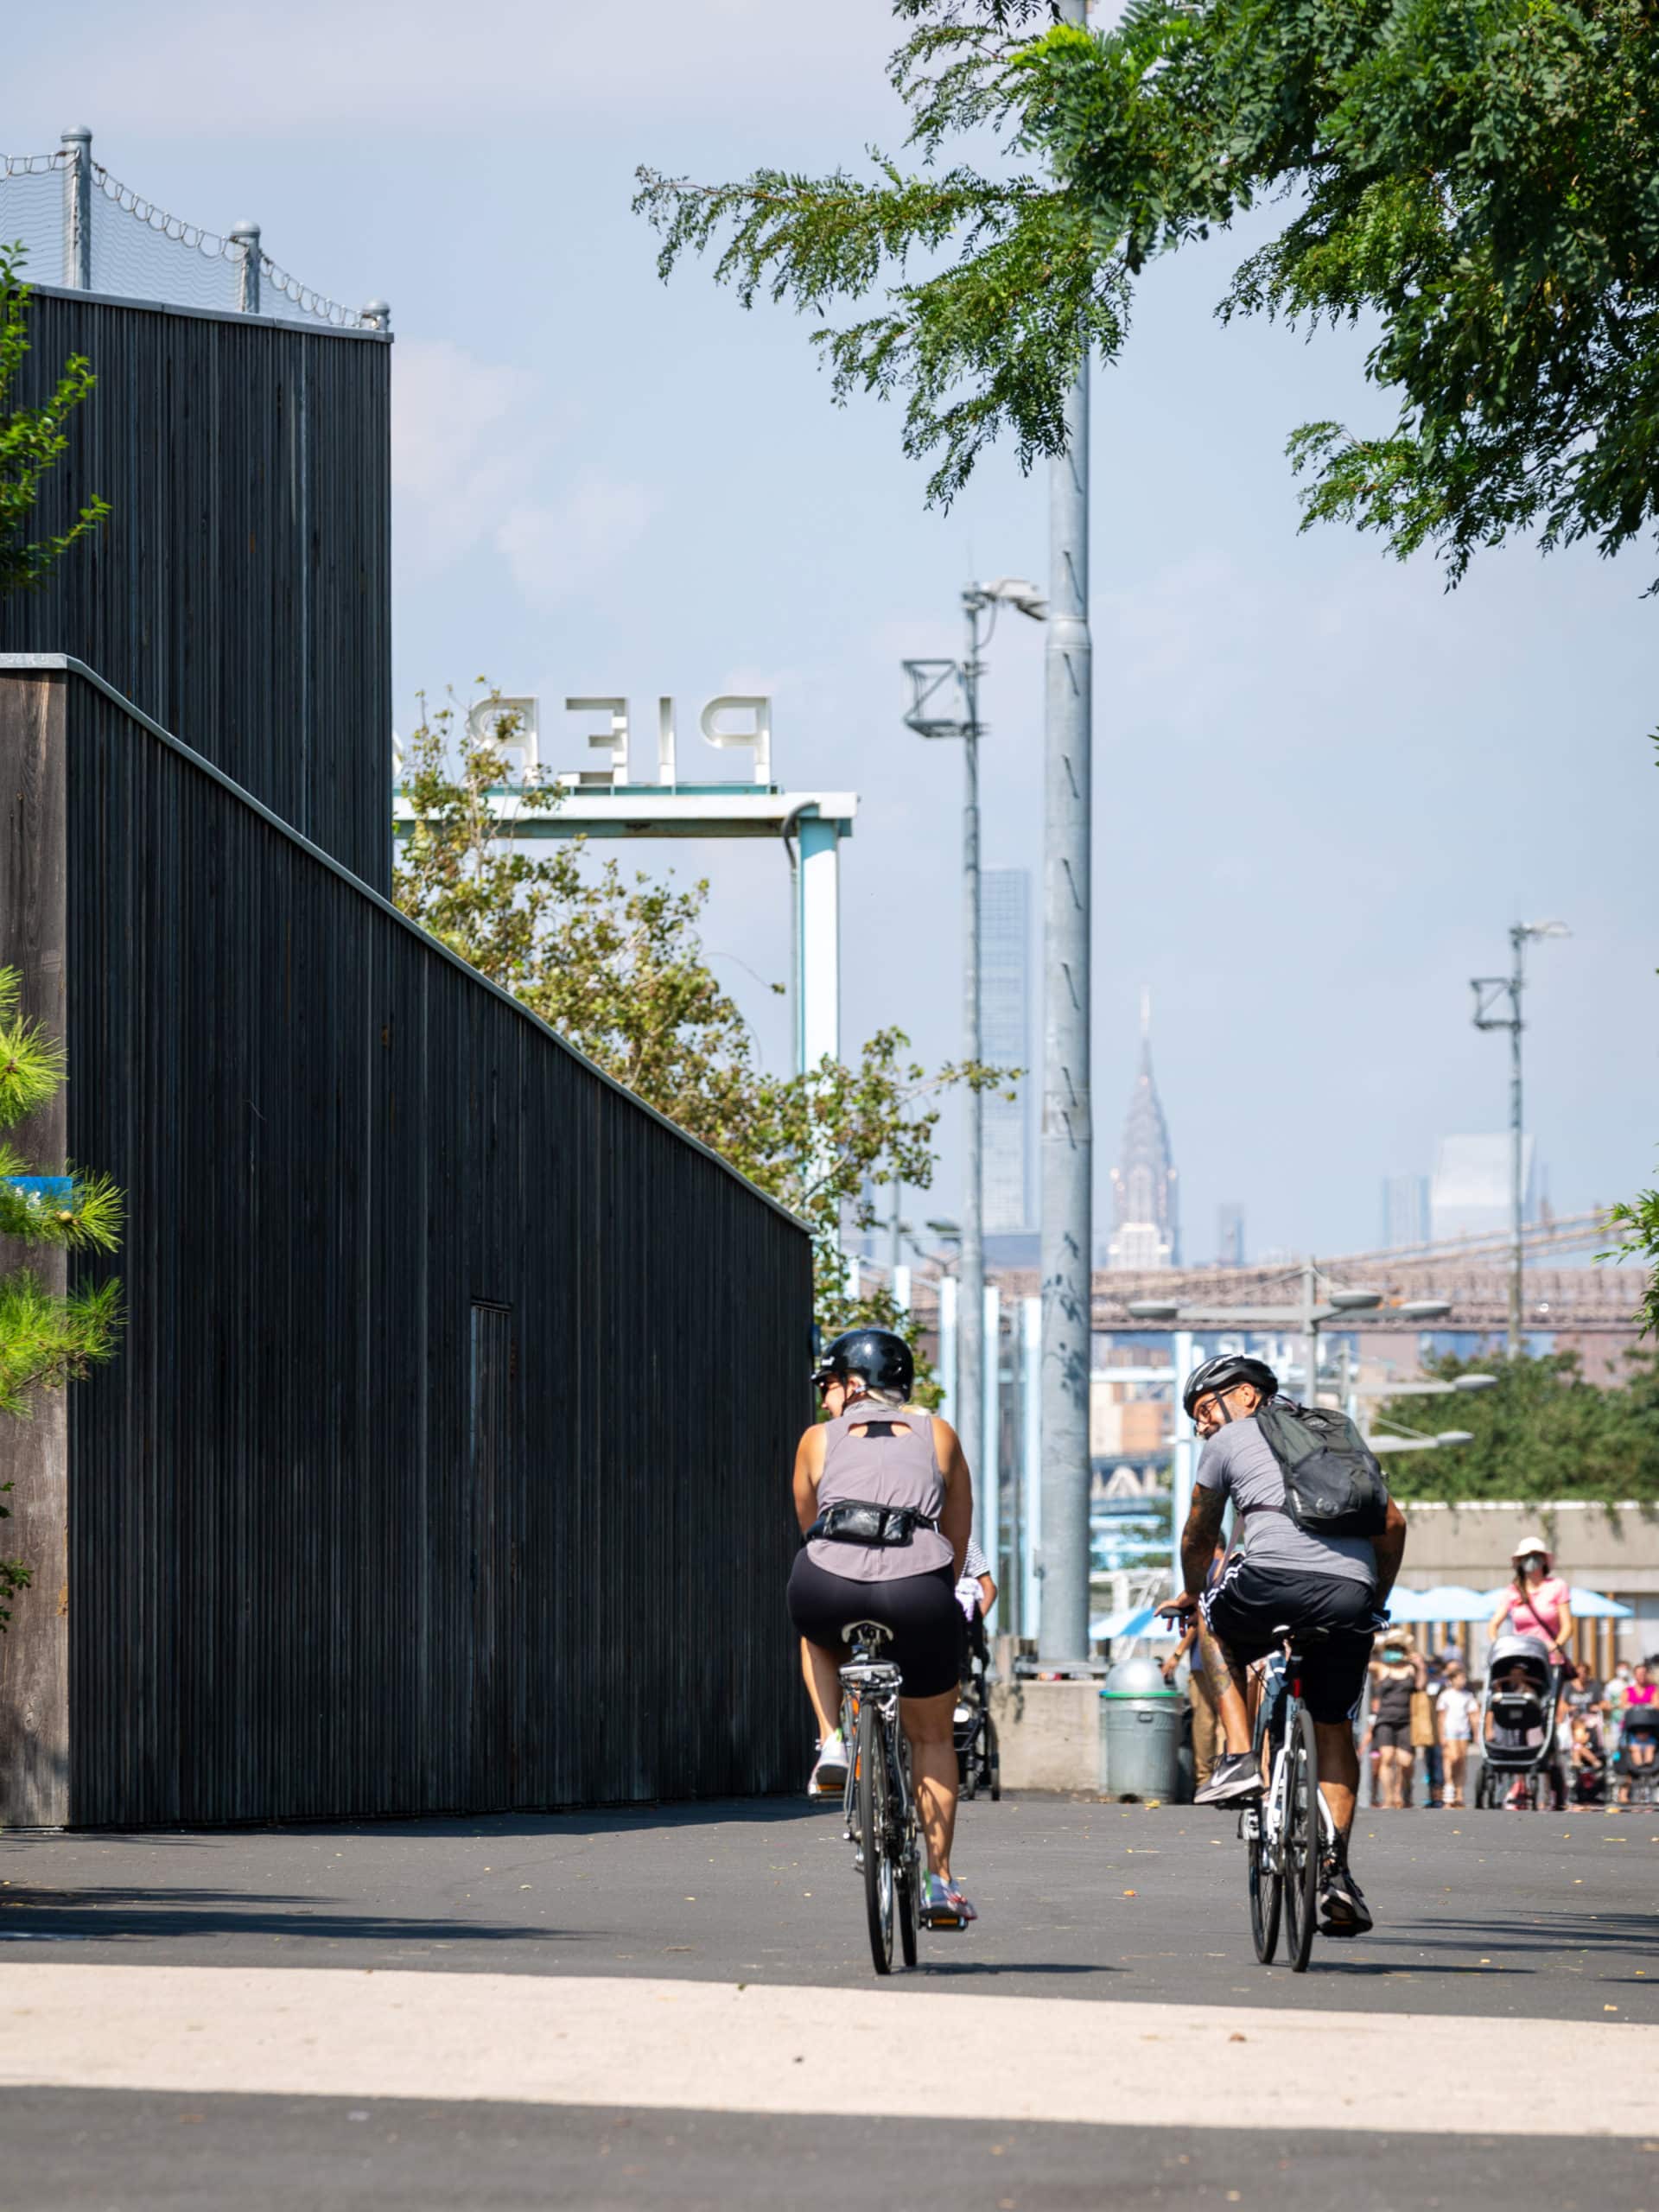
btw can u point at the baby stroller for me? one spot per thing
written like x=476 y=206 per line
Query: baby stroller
x=1519 y=1751
x=977 y=1763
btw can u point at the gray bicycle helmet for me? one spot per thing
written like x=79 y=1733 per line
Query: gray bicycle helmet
x=1221 y=1373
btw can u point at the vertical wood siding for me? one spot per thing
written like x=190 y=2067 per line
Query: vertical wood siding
x=240 y=591
x=445 y=1462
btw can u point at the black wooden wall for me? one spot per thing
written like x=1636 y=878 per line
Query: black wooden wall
x=445 y=1462
x=240 y=590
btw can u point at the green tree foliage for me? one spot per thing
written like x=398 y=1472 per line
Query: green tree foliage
x=1472 y=178
x=613 y=961
x=1542 y=1431
x=47 y=1338
x=31 y=440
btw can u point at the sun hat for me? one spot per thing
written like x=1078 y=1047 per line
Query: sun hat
x=1528 y=1544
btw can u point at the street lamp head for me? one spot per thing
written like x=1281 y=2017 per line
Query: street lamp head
x=1542 y=929
x=1013 y=591
x=1424 y=1309
x=1456 y=1436
x=951 y=1230
x=1152 y=1309
x=1355 y=1301
x=1474 y=1382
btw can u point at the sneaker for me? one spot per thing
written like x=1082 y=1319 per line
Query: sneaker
x=829 y=1775
x=1235 y=1776
x=1341 y=1901
x=943 y=1905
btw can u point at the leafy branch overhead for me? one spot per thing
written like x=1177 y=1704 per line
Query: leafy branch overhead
x=1472 y=178
x=615 y=961
x=32 y=439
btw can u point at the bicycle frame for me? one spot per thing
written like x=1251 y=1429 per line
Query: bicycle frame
x=1281 y=1701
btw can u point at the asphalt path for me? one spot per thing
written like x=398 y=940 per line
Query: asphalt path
x=1489 y=1926
x=1488 y=1914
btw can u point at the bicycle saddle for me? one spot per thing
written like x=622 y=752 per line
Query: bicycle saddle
x=1303 y=1638
x=870 y=1632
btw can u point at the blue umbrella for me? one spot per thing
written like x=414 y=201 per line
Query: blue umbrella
x=1447 y=1601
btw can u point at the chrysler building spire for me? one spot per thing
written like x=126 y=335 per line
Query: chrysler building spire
x=1146 y=1228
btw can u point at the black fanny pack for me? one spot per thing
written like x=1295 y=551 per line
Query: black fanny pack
x=847 y=1522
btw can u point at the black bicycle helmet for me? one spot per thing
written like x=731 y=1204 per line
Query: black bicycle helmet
x=880 y=1356
x=1223 y=1372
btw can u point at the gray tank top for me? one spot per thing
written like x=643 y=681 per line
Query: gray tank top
x=890 y=1465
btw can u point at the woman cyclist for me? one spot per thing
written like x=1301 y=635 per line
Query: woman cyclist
x=876 y=1449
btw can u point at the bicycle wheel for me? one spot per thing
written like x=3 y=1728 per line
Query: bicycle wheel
x=1301 y=1842
x=908 y=1895
x=874 y=1841
x=1265 y=1892
x=993 y=1761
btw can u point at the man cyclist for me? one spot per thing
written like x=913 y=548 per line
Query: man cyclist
x=1279 y=1574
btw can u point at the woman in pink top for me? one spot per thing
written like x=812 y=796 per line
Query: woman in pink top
x=1536 y=1602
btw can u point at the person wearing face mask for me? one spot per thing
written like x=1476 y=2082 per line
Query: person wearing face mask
x=1537 y=1602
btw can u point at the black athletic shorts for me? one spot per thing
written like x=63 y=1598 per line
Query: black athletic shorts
x=921 y=1610
x=1250 y=1599
x=1391 y=1735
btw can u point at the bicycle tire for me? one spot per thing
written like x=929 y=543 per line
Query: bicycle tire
x=993 y=1760
x=1266 y=1896
x=908 y=1886
x=1302 y=1841
x=874 y=1841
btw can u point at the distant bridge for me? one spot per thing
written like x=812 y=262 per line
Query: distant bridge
x=1470 y=1272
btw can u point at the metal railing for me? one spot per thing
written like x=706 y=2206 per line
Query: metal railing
x=83 y=228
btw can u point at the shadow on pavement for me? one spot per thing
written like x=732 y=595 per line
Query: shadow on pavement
x=133 y=1915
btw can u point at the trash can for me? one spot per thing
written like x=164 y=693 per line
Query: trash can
x=1139 y=1733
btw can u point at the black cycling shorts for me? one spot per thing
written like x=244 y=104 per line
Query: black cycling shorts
x=1252 y=1599
x=1391 y=1735
x=921 y=1610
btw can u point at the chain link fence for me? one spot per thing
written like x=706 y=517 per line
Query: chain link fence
x=81 y=227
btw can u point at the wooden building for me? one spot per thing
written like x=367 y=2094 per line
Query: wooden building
x=426 y=1478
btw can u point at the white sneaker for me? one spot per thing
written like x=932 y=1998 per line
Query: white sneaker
x=829 y=1775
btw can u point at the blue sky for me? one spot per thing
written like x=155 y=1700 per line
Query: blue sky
x=1324 y=786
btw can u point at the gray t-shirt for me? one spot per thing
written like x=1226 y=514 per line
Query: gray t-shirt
x=1238 y=1461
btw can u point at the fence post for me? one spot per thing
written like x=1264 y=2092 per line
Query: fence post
x=77 y=210
x=246 y=235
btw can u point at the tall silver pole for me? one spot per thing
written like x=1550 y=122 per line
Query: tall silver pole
x=1311 y=1330
x=1068 y=1116
x=1518 y=938
x=970 y=1313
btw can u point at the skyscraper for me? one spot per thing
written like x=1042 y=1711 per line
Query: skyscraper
x=1405 y=1211
x=1229 y=1235
x=1146 y=1225
x=1005 y=1041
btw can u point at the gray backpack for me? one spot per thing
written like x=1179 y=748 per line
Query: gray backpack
x=1333 y=1485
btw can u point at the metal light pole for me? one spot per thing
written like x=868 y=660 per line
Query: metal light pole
x=1068 y=1162
x=927 y=677
x=1488 y=991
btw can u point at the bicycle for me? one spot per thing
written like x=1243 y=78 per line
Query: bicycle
x=1289 y=1826
x=880 y=1802
x=979 y=1760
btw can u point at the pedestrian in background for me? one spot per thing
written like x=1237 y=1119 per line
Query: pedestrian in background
x=1200 y=1690
x=1455 y=1710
